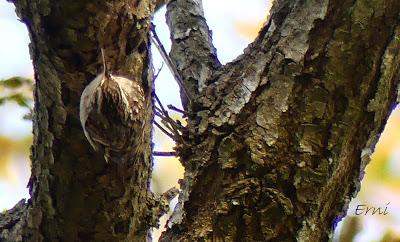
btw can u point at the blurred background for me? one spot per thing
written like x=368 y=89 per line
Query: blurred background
x=234 y=24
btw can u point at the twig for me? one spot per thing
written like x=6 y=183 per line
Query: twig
x=172 y=107
x=160 y=104
x=158 y=112
x=173 y=128
x=157 y=43
x=164 y=153
x=164 y=131
x=167 y=118
x=165 y=122
x=159 y=70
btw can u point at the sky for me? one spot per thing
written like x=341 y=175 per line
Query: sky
x=230 y=22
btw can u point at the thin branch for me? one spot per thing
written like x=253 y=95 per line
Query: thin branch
x=162 y=113
x=157 y=43
x=174 y=128
x=164 y=131
x=166 y=118
x=172 y=107
x=159 y=70
x=158 y=112
x=166 y=123
x=160 y=104
x=164 y=153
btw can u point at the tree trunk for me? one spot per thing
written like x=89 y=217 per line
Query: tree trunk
x=276 y=142
x=75 y=195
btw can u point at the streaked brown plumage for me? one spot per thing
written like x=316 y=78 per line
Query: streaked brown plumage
x=111 y=114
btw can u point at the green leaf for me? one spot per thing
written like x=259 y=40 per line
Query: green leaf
x=15 y=82
x=18 y=98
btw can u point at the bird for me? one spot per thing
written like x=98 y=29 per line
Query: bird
x=111 y=111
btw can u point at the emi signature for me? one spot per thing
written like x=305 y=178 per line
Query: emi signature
x=365 y=210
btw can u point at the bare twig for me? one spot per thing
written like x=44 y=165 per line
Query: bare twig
x=164 y=153
x=172 y=107
x=166 y=120
x=158 y=71
x=157 y=43
x=159 y=112
x=173 y=128
x=164 y=131
x=161 y=106
x=166 y=117
x=166 y=124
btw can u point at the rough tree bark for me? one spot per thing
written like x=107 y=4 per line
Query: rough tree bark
x=75 y=195
x=276 y=142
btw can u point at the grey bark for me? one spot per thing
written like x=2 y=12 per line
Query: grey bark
x=276 y=142
x=279 y=138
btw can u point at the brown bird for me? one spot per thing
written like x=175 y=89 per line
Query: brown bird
x=112 y=115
